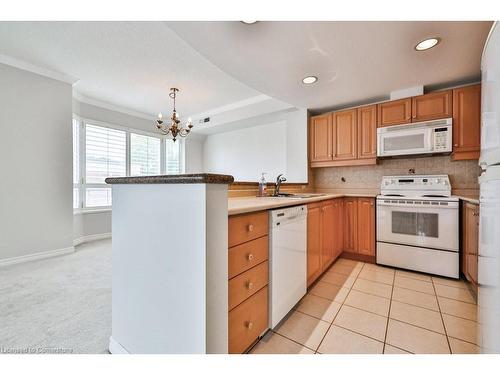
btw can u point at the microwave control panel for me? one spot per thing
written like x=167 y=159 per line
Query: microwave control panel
x=441 y=139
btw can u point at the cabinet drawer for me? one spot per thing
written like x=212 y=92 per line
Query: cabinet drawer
x=247 y=255
x=243 y=286
x=248 y=321
x=243 y=228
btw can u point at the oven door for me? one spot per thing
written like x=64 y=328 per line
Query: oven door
x=404 y=142
x=431 y=224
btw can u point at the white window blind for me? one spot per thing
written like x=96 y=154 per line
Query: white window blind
x=144 y=155
x=76 y=164
x=172 y=157
x=105 y=156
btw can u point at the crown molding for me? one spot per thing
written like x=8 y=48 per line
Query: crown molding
x=111 y=107
x=23 y=65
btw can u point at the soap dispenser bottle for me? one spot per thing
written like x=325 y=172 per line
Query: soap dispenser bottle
x=262 y=186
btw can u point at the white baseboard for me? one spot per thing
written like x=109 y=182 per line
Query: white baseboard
x=116 y=348
x=36 y=256
x=89 y=238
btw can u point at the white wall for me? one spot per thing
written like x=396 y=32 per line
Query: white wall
x=193 y=155
x=36 y=213
x=274 y=144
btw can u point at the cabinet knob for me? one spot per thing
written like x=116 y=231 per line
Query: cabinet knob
x=250 y=256
x=249 y=285
x=371 y=204
x=455 y=145
x=249 y=325
x=250 y=227
x=475 y=214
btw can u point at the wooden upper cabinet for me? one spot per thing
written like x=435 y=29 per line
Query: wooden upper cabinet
x=321 y=138
x=431 y=106
x=345 y=134
x=351 y=224
x=367 y=132
x=466 y=122
x=313 y=242
x=328 y=234
x=395 y=112
x=366 y=226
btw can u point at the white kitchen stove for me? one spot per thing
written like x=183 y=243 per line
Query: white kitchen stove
x=417 y=224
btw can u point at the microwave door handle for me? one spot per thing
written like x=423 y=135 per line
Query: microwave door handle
x=430 y=140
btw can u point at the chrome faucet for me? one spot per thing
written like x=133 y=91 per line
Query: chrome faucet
x=279 y=180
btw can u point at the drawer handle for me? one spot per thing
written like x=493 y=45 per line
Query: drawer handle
x=250 y=257
x=249 y=325
x=250 y=227
x=249 y=285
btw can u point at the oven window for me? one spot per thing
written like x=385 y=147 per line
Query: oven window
x=404 y=142
x=415 y=223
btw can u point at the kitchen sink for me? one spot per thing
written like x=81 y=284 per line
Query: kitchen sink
x=299 y=196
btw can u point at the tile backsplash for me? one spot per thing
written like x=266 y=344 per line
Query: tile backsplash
x=463 y=174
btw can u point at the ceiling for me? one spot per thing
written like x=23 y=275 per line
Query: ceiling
x=231 y=66
x=355 y=61
x=127 y=64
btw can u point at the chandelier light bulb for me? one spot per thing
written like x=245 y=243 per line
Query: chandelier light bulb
x=160 y=116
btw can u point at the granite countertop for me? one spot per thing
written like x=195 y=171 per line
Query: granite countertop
x=252 y=204
x=198 y=178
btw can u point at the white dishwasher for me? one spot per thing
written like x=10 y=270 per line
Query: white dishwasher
x=288 y=260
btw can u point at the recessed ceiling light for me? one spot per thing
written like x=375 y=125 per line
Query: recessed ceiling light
x=249 y=22
x=309 y=79
x=427 y=43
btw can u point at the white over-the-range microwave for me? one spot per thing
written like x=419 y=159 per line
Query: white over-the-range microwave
x=426 y=137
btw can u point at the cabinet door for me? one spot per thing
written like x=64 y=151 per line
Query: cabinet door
x=367 y=132
x=338 y=225
x=350 y=222
x=471 y=239
x=431 y=106
x=366 y=226
x=328 y=235
x=321 y=138
x=344 y=135
x=466 y=122
x=395 y=112
x=313 y=242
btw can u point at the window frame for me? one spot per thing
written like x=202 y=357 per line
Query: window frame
x=82 y=185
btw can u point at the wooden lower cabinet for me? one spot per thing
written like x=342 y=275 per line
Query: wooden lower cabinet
x=366 y=226
x=248 y=273
x=351 y=225
x=470 y=240
x=247 y=321
x=313 y=242
x=328 y=234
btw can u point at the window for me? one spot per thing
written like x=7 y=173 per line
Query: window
x=101 y=151
x=144 y=155
x=172 y=157
x=105 y=156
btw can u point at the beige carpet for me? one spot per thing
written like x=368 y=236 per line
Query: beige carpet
x=61 y=303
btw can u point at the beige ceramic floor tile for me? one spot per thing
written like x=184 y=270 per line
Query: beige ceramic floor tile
x=414 y=284
x=417 y=316
x=318 y=307
x=338 y=279
x=303 y=329
x=459 y=328
x=415 y=339
x=449 y=282
x=376 y=267
x=346 y=269
x=348 y=262
x=368 y=302
x=342 y=341
x=273 y=343
x=329 y=291
x=413 y=275
x=462 y=347
x=389 y=349
x=415 y=298
x=362 y=322
x=372 y=287
x=376 y=275
x=458 y=308
x=454 y=293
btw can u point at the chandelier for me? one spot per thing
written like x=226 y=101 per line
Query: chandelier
x=174 y=127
